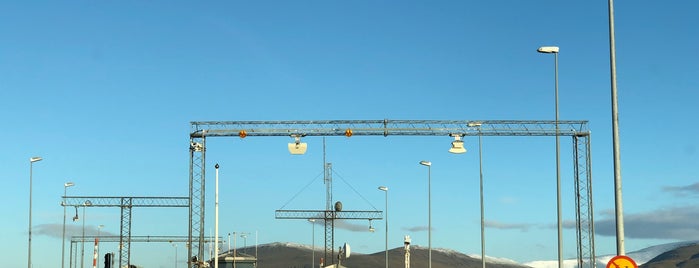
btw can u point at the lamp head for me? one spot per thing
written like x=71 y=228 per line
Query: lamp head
x=35 y=159
x=425 y=163
x=549 y=49
x=68 y=184
x=383 y=188
x=297 y=147
x=457 y=146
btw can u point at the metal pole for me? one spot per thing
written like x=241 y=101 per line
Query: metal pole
x=235 y=249
x=216 y=227
x=63 y=244
x=429 y=214
x=82 y=252
x=618 y=204
x=175 y=245
x=31 y=165
x=385 y=189
x=29 y=255
x=386 y=235
x=70 y=260
x=313 y=242
x=558 y=175
x=480 y=167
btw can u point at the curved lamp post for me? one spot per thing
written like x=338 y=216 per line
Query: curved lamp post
x=554 y=50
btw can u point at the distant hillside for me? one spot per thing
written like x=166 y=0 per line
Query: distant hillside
x=287 y=255
x=687 y=256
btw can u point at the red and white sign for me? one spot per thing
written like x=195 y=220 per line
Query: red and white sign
x=622 y=262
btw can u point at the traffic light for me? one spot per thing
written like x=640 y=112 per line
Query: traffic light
x=108 y=260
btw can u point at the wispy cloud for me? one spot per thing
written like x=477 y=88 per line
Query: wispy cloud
x=666 y=223
x=501 y=225
x=56 y=230
x=354 y=227
x=688 y=190
x=416 y=228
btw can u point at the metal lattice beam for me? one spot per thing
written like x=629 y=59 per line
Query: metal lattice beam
x=126 y=203
x=386 y=128
x=320 y=214
x=202 y=129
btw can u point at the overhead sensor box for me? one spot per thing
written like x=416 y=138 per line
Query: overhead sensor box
x=298 y=148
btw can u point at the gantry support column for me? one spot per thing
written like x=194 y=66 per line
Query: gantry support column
x=197 y=190
x=585 y=227
x=125 y=233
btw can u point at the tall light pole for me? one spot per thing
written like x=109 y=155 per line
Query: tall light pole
x=216 y=227
x=63 y=244
x=31 y=164
x=554 y=50
x=618 y=204
x=428 y=164
x=313 y=243
x=480 y=168
x=385 y=189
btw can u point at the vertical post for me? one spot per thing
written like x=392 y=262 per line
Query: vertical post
x=555 y=50
x=313 y=242
x=429 y=211
x=385 y=189
x=31 y=165
x=618 y=204
x=558 y=174
x=63 y=243
x=216 y=224
x=480 y=168
x=386 y=235
x=82 y=241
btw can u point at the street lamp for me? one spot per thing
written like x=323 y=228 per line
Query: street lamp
x=313 y=237
x=385 y=189
x=63 y=244
x=428 y=164
x=480 y=168
x=554 y=50
x=31 y=163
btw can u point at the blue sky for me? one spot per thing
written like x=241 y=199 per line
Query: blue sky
x=105 y=91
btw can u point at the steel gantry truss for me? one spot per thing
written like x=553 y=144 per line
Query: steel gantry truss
x=125 y=203
x=577 y=129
